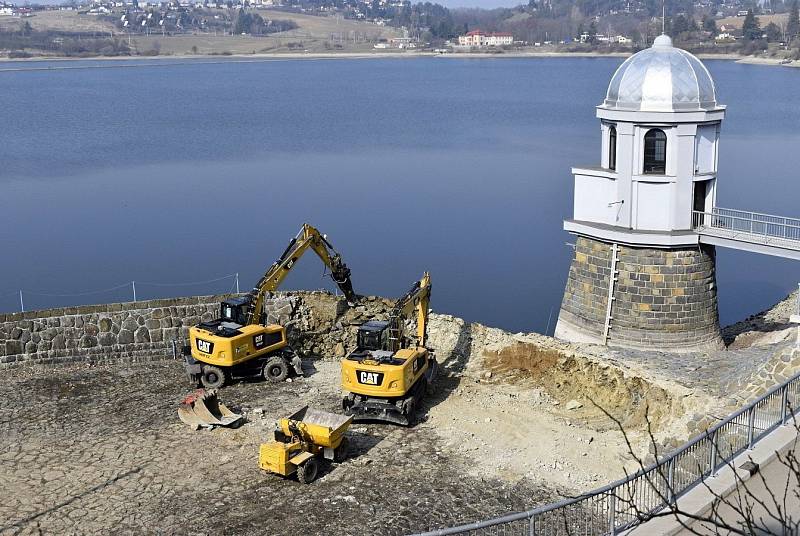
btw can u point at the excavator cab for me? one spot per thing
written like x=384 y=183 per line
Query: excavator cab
x=234 y=310
x=373 y=335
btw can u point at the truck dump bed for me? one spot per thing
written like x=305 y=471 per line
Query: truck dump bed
x=319 y=427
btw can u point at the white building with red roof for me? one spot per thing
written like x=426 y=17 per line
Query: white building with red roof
x=479 y=38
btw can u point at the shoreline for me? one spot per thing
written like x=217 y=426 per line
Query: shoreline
x=293 y=56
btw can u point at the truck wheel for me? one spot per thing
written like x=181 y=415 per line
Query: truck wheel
x=340 y=453
x=212 y=377
x=276 y=369
x=307 y=472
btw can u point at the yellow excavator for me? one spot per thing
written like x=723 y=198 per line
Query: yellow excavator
x=239 y=343
x=387 y=375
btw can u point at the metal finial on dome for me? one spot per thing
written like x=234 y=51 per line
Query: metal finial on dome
x=662 y=40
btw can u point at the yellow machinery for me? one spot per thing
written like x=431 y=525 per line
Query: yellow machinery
x=387 y=375
x=302 y=441
x=238 y=343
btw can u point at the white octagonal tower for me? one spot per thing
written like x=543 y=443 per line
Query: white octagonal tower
x=640 y=277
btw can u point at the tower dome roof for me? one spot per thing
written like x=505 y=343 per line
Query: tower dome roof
x=661 y=78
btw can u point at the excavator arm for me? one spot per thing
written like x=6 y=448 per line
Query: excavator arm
x=308 y=237
x=417 y=299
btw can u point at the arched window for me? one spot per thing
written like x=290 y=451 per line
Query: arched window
x=655 y=152
x=612 y=148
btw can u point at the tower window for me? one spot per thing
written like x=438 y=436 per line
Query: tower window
x=612 y=148
x=655 y=152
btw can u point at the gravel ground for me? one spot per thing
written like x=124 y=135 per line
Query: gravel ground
x=93 y=449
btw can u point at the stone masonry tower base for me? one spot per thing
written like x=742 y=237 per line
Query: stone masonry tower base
x=664 y=299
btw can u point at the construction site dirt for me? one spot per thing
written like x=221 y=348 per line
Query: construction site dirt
x=89 y=449
x=512 y=424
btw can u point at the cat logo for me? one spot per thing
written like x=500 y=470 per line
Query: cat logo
x=205 y=346
x=259 y=341
x=370 y=378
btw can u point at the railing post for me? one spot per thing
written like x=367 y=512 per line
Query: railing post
x=714 y=453
x=612 y=513
x=671 y=480
x=784 y=403
x=750 y=419
x=532 y=526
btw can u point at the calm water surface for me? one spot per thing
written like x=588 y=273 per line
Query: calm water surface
x=187 y=172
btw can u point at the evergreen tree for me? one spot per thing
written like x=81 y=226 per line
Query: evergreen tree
x=751 y=29
x=593 y=33
x=773 y=32
x=793 y=25
x=680 y=25
x=710 y=25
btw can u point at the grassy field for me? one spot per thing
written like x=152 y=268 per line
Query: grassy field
x=737 y=22
x=65 y=21
x=313 y=34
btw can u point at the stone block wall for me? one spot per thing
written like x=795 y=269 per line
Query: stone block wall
x=95 y=332
x=145 y=330
x=663 y=298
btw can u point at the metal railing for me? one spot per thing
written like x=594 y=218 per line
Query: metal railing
x=622 y=504
x=748 y=226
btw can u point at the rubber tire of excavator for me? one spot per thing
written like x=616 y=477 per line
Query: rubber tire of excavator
x=276 y=364
x=212 y=377
x=307 y=471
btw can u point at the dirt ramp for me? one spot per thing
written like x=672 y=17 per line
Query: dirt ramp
x=579 y=385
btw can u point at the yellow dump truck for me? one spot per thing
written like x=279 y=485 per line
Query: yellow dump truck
x=302 y=441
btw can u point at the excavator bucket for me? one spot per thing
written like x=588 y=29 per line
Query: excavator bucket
x=202 y=409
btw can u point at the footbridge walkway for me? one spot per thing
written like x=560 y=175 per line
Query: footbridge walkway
x=749 y=231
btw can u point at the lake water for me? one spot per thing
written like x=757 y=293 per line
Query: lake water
x=187 y=172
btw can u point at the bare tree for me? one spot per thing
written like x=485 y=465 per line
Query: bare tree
x=755 y=506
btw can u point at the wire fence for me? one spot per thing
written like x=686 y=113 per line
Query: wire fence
x=131 y=290
x=625 y=503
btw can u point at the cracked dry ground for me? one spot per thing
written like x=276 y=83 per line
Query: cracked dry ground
x=94 y=449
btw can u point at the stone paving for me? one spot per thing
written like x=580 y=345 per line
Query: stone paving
x=100 y=449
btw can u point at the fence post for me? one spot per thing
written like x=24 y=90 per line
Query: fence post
x=612 y=513
x=784 y=403
x=532 y=526
x=714 y=453
x=174 y=349
x=671 y=480
x=750 y=419
x=21 y=303
x=237 y=282
x=133 y=285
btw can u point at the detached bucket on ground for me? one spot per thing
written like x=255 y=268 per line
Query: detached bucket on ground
x=202 y=409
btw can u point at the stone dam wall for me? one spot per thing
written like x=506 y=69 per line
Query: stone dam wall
x=145 y=330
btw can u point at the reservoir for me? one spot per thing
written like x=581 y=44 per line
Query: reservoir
x=168 y=173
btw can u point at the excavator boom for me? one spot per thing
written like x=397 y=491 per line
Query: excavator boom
x=418 y=298
x=308 y=237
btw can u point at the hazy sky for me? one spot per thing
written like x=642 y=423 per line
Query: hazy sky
x=488 y=4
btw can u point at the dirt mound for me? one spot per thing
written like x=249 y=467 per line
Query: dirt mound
x=568 y=379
